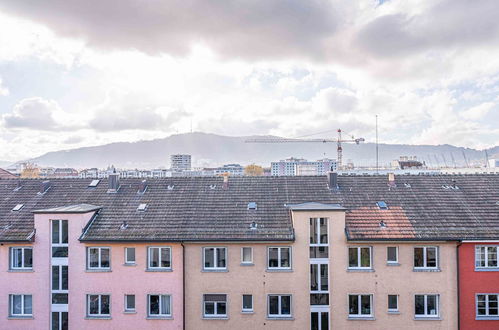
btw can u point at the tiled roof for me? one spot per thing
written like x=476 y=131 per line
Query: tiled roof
x=6 y=174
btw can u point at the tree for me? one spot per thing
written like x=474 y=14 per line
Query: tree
x=30 y=171
x=253 y=170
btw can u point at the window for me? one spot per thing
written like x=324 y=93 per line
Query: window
x=215 y=305
x=60 y=321
x=130 y=256
x=21 y=305
x=129 y=303
x=319 y=238
x=319 y=320
x=392 y=255
x=98 y=305
x=246 y=255
x=59 y=278
x=21 y=258
x=359 y=257
x=98 y=258
x=360 y=305
x=247 y=303
x=59 y=238
x=18 y=207
x=159 y=258
x=425 y=257
x=215 y=258
x=393 y=303
x=319 y=277
x=487 y=305
x=426 y=305
x=279 y=306
x=279 y=258
x=159 y=305
x=486 y=256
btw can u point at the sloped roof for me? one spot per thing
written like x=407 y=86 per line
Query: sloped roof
x=78 y=208
x=4 y=174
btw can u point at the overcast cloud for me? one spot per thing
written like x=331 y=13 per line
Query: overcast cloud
x=93 y=72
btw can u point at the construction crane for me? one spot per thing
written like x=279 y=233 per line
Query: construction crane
x=338 y=142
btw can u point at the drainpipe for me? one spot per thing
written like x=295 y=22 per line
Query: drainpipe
x=183 y=284
x=458 y=288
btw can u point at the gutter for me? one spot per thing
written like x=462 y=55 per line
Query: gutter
x=183 y=284
x=458 y=288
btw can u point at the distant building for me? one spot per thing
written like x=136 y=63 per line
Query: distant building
x=298 y=166
x=6 y=174
x=231 y=169
x=405 y=162
x=494 y=162
x=180 y=163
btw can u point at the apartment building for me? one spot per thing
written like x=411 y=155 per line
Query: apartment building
x=336 y=252
x=180 y=162
x=298 y=166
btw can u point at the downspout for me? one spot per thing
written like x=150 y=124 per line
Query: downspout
x=183 y=284
x=458 y=288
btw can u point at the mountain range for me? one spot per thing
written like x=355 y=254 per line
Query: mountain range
x=209 y=150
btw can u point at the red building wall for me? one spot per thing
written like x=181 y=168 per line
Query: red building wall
x=472 y=282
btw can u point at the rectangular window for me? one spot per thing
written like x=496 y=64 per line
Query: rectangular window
x=215 y=258
x=59 y=298
x=360 y=305
x=159 y=305
x=487 y=306
x=130 y=256
x=393 y=303
x=425 y=257
x=247 y=303
x=319 y=278
x=426 y=305
x=279 y=258
x=319 y=320
x=247 y=255
x=215 y=305
x=21 y=305
x=129 y=303
x=98 y=305
x=21 y=258
x=486 y=256
x=59 y=278
x=98 y=258
x=319 y=239
x=392 y=255
x=59 y=238
x=159 y=258
x=60 y=321
x=279 y=305
x=359 y=257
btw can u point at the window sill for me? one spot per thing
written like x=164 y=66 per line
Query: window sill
x=129 y=312
x=152 y=270
x=12 y=270
x=282 y=318
x=130 y=264
x=215 y=317
x=98 y=318
x=391 y=264
x=491 y=269
x=247 y=264
x=426 y=270
x=214 y=270
x=427 y=318
x=247 y=312
x=360 y=270
x=487 y=318
x=393 y=312
x=159 y=318
x=277 y=270
x=361 y=318
x=20 y=318
x=98 y=271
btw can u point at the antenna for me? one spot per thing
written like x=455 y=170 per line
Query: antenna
x=377 y=159
x=465 y=160
x=486 y=159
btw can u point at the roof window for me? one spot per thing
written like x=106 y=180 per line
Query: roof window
x=253 y=225
x=382 y=205
x=18 y=207
x=252 y=206
x=142 y=207
x=94 y=183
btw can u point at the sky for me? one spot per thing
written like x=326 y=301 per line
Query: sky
x=84 y=73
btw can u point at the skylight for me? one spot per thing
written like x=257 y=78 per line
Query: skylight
x=382 y=205
x=142 y=207
x=94 y=183
x=18 y=207
x=252 y=206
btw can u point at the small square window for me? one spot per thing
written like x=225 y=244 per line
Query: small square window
x=159 y=305
x=359 y=257
x=392 y=255
x=279 y=306
x=129 y=303
x=98 y=305
x=99 y=258
x=214 y=258
x=279 y=258
x=21 y=258
x=159 y=258
x=130 y=256
x=21 y=305
x=426 y=257
x=247 y=303
x=393 y=303
x=247 y=255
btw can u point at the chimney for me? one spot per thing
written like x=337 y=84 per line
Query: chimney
x=332 y=180
x=142 y=186
x=44 y=186
x=114 y=183
x=226 y=181
x=391 y=180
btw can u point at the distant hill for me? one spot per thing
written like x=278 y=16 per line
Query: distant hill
x=4 y=163
x=215 y=150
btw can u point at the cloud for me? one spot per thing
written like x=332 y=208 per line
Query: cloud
x=477 y=112
x=3 y=90
x=33 y=113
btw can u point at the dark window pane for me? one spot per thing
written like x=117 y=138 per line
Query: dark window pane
x=492 y=256
x=154 y=258
x=154 y=305
x=319 y=299
x=55 y=278
x=17 y=257
x=130 y=254
x=65 y=321
x=221 y=257
x=273 y=305
x=285 y=257
x=165 y=257
x=247 y=301
x=59 y=298
x=286 y=305
x=94 y=304
x=64 y=231
x=419 y=305
x=55 y=321
x=352 y=257
x=28 y=258
x=323 y=230
x=130 y=301
x=324 y=277
x=221 y=308
x=431 y=257
x=392 y=302
x=313 y=231
x=65 y=278
x=418 y=257
x=104 y=258
x=209 y=257
x=55 y=231
x=28 y=304
x=365 y=257
x=314 y=321
x=324 y=321
x=273 y=257
x=60 y=252
x=391 y=253
x=104 y=305
x=431 y=302
x=318 y=252
x=353 y=304
x=365 y=301
x=93 y=258
x=314 y=286
x=209 y=308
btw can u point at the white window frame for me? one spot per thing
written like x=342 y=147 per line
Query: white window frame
x=216 y=315
x=99 y=259
x=215 y=257
x=425 y=315
x=487 y=315
x=359 y=304
x=359 y=249
x=130 y=262
x=127 y=309
x=11 y=305
x=246 y=310
x=250 y=262
x=22 y=248
x=486 y=260
x=100 y=306
x=396 y=261
x=319 y=279
x=279 y=306
x=425 y=257
x=279 y=258
x=59 y=244
x=160 y=306
x=60 y=272
x=159 y=267
x=318 y=237
x=392 y=310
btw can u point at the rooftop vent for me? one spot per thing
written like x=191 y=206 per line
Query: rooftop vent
x=226 y=181
x=114 y=183
x=18 y=186
x=382 y=205
x=391 y=180
x=213 y=186
x=142 y=186
x=142 y=207
x=407 y=185
x=18 y=207
x=94 y=183
x=382 y=224
x=332 y=180
x=124 y=225
x=253 y=225
x=44 y=186
x=171 y=186
x=252 y=206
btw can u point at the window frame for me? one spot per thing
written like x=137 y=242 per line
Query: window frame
x=279 y=306
x=425 y=306
x=149 y=254
x=486 y=257
x=99 y=315
x=393 y=310
x=129 y=262
x=159 y=316
x=60 y=243
x=126 y=308
x=359 y=306
x=215 y=257
x=215 y=307
x=247 y=310
x=487 y=315
x=11 y=254
x=425 y=257
x=318 y=244
x=250 y=262
x=359 y=254
x=23 y=298
x=279 y=258
x=99 y=260
x=392 y=262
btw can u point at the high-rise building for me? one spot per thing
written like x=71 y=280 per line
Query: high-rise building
x=180 y=162
x=298 y=166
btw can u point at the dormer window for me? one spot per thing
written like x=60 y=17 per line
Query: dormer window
x=252 y=206
x=382 y=205
x=94 y=183
x=142 y=207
